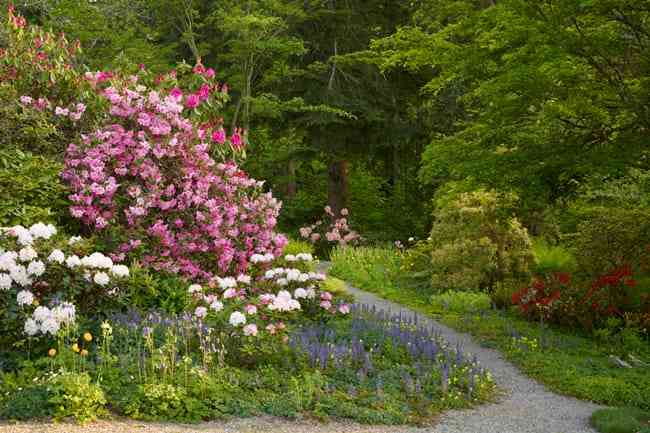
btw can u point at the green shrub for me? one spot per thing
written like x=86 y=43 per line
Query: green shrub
x=621 y=420
x=147 y=290
x=297 y=246
x=369 y=268
x=461 y=302
x=32 y=402
x=160 y=401
x=477 y=243
x=74 y=395
x=30 y=190
x=552 y=258
x=608 y=238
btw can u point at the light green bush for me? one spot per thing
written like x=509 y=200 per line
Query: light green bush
x=478 y=243
x=461 y=302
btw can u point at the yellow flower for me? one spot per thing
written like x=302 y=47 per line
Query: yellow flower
x=84 y=352
x=88 y=337
x=51 y=353
x=75 y=347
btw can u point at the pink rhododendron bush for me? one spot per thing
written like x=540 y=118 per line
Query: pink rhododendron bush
x=149 y=179
x=329 y=231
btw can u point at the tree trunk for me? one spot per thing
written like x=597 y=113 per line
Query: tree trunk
x=338 y=190
x=292 y=187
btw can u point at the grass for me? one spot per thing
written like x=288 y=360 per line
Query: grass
x=567 y=362
x=621 y=420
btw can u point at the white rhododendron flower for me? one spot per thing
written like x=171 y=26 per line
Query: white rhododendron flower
x=74 y=239
x=194 y=288
x=56 y=256
x=101 y=278
x=306 y=257
x=5 y=281
x=31 y=327
x=226 y=283
x=290 y=258
x=300 y=293
x=120 y=271
x=24 y=297
x=41 y=313
x=284 y=302
x=23 y=235
x=19 y=274
x=73 y=261
x=27 y=254
x=50 y=326
x=97 y=260
x=237 y=318
x=262 y=258
x=36 y=268
x=7 y=260
x=216 y=306
x=44 y=231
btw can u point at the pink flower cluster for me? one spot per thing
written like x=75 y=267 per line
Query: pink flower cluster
x=150 y=172
x=338 y=231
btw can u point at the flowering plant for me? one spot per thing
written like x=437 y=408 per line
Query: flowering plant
x=43 y=280
x=326 y=236
x=267 y=301
x=150 y=177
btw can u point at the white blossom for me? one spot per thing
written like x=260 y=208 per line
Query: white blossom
x=120 y=271
x=36 y=268
x=27 y=254
x=18 y=273
x=216 y=306
x=56 y=256
x=101 y=278
x=7 y=260
x=31 y=327
x=40 y=230
x=226 y=283
x=5 y=281
x=72 y=261
x=74 y=239
x=24 y=297
x=194 y=288
x=237 y=318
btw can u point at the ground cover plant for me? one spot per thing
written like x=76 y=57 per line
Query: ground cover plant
x=621 y=420
x=568 y=360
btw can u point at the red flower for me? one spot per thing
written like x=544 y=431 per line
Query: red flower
x=630 y=283
x=563 y=277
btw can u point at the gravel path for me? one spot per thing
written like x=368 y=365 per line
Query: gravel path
x=527 y=406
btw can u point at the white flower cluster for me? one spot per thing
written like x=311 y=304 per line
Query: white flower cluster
x=49 y=321
x=237 y=318
x=284 y=302
x=262 y=258
x=284 y=276
x=26 y=236
x=301 y=293
x=305 y=257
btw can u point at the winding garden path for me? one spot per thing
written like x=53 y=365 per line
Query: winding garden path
x=526 y=407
